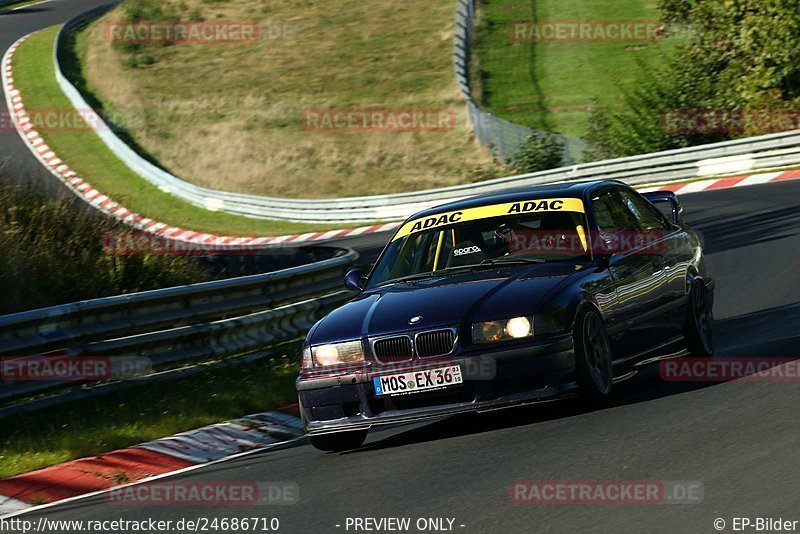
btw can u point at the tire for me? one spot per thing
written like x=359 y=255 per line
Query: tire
x=339 y=441
x=698 y=330
x=593 y=359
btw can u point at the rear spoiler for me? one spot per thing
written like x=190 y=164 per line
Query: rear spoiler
x=660 y=197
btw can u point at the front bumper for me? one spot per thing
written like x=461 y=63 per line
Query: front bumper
x=494 y=377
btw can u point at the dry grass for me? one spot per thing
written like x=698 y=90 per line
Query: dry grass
x=228 y=116
x=91 y=159
x=47 y=247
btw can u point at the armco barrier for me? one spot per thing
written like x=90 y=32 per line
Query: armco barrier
x=732 y=157
x=180 y=324
x=37 y=331
x=187 y=344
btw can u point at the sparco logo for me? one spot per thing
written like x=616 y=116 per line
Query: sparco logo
x=465 y=251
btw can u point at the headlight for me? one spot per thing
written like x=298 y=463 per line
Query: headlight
x=518 y=327
x=502 y=330
x=336 y=353
x=307 y=364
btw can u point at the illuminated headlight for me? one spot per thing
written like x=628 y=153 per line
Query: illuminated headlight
x=502 y=330
x=518 y=327
x=336 y=353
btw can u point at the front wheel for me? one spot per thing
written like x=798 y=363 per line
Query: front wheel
x=698 y=329
x=593 y=361
x=339 y=441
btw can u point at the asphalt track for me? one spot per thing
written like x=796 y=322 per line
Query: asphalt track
x=740 y=439
x=16 y=161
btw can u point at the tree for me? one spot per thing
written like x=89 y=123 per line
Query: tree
x=740 y=61
x=541 y=151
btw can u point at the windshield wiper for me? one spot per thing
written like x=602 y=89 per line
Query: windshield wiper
x=514 y=261
x=431 y=274
x=413 y=277
x=489 y=262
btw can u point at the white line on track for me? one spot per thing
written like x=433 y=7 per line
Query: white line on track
x=26 y=5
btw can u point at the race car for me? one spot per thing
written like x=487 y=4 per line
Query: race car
x=506 y=299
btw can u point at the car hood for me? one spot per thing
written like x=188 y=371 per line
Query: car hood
x=446 y=300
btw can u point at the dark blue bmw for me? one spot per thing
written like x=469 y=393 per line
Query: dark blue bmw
x=506 y=299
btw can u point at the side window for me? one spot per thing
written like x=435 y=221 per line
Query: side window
x=648 y=215
x=612 y=213
x=602 y=211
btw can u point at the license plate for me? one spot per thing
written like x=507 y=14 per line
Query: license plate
x=414 y=381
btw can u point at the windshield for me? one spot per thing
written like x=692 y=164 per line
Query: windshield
x=464 y=245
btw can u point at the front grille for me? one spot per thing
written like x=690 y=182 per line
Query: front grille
x=437 y=343
x=393 y=349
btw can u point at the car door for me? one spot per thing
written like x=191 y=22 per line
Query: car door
x=675 y=255
x=637 y=276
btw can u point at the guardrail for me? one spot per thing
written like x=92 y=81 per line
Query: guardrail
x=738 y=156
x=180 y=324
x=36 y=331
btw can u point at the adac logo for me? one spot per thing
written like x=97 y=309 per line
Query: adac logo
x=415 y=319
x=541 y=205
x=436 y=220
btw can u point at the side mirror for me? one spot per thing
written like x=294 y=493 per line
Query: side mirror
x=667 y=203
x=355 y=280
